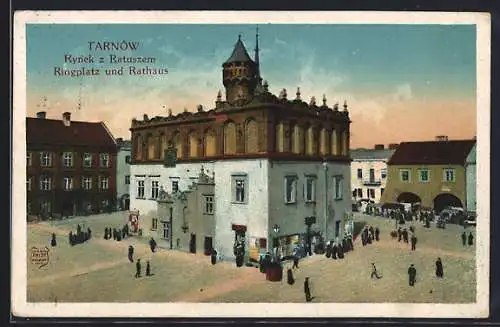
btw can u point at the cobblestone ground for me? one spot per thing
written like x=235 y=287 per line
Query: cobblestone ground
x=99 y=271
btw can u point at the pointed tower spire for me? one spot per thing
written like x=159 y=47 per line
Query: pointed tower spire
x=257 y=61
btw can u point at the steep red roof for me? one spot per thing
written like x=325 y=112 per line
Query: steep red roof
x=78 y=133
x=432 y=153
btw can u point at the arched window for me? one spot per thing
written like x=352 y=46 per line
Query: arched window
x=230 y=138
x=280 y=137
x=138 y=147
x=193 y=145
x=334 y=143
x=209 y=143
x=151 y=147
x=179 y=146
x=297 y=140
x=310 y=141
x=323 y=144
x=251 y=137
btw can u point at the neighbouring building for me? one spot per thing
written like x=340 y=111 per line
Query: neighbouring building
x=431 y=173
x=273 y=163
x=470 y=168
x=70 y=167
x=123 y=160
x=369 y=173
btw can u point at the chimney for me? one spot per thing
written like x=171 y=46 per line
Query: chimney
x=441 y=138
x=379 y=147
x=41 y=114
x=393 y=146
x=66 y=119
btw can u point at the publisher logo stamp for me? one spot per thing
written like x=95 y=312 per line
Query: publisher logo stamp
x=40 y=256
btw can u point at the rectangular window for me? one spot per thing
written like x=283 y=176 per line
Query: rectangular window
x=104 y=160
x=239 y=185
x=404 y=175
x=103 y=182
x=383 y=173
x=310 y=189
x=360 y=192
x=290 y=189
x=127 y=159
x=209 y=205
x=28 y=183
x=154 y=223
x=87 y=183
x=449 y=175
x=155 y=188
x=68 y=159
x=175 y=186
x=87 y=160
x=28 y=159
x=338 y=187
x=140 y=189
x=372 y=174
x=360 y=173
x=67 y=183
x=372 y=193
x=423 y=175
x=45 y=159
x=127 y=179
x=45 y=183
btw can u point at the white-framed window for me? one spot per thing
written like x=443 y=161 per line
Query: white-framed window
x=87 y=183
x=310 y=189
x=383 y=173
x=155 y=188
x=45 y=159
x=140 y=188
x=449 y=175
x=28 y=183
x=154 y=223
x=103 y=182
x=175 y=186
x=127 y=179
x=423 y=175
x=45 y=183
x=360 y=173
x=290 y=189
x=67 y=159
x=28 y=159
x=87 y=160
x=67 y=183
x=209 y=205
x=240 y=188
x=404 y=175
x=338 y=184
x=104 y=160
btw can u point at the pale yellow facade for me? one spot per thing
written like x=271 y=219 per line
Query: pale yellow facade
x=435 y=185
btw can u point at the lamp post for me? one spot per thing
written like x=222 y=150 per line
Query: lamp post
x=325 y=205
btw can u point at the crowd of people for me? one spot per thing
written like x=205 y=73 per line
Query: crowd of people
x=116 y=234
x=80 y=236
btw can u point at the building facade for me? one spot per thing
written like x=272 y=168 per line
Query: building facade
x=430 y=173
x=123 y=160
x=369 y=173
x=471 y=184
x=273 y=161
x=70 y=167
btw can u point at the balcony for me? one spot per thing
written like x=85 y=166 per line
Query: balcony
x=372 y=182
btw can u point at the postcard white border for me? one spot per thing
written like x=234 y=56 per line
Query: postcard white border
x=20 y=306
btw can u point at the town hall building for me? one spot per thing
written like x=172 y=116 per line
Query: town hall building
x=257 y=168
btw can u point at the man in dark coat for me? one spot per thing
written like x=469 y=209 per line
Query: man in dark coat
x=152 y=245
x=131 y=253
x=148 y=269
x=138 y=268
x=289 y=277
x=295 y=260
x=464 y=239
x=328 y=252
x=405 y=235
x=106 y=233
x=439 y=268
x=114 y=234
x=400 y=233
x=307 y=290
x=71 y=238
x=412 y=275
x=340 y=252
x=335 y=251
x=53 y=242
x=471 y=239
x=377 y=234
x=213 y=257
x=413 y=242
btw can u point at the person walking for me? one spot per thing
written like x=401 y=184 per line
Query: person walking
x=53 y=241
x=464 y=239
x=131 y=253
x=138 y=269
x=377 y=234
x=295 y=259
x=413 y=242
x=412 y=275
x=471 y=239
x=400 y=233
x=289 y=278
x=374 y=272
x=439 y=268
x=152 y=245
x=405 y=235
x=307 y=290
x=213 y=257
x=148 y=269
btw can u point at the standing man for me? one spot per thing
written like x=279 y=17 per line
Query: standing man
x=131 y=253
x=439 y=268
x=152 y=245
x=148 y=269
x=413 y=242
x=464 y=239
x=471 y=239
x=377 y=234
x=307 y=290
x=295 y=259
x=412 y=275
x=138 y=269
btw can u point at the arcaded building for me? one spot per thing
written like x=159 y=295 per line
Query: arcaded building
x=273 y=160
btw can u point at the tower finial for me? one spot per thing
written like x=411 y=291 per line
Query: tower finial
x=239 y=37
x=257 y=59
